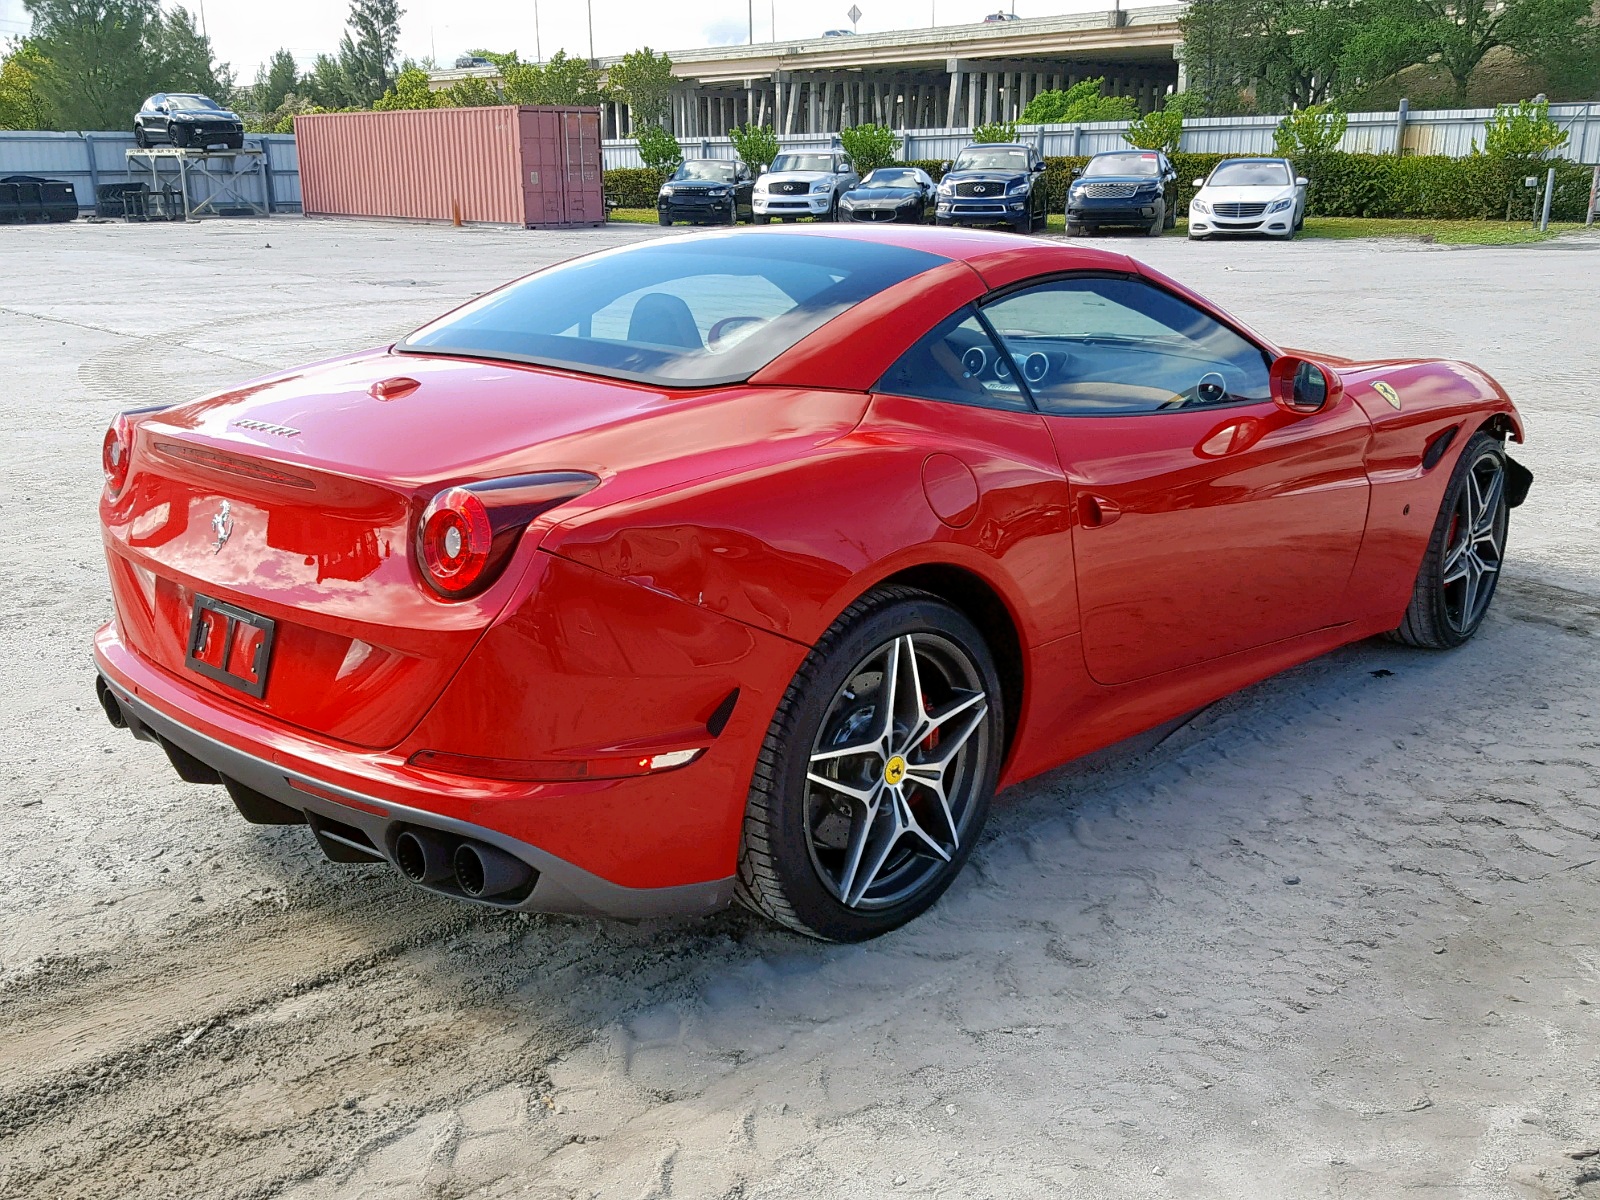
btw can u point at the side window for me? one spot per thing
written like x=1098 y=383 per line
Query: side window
x=956 y=361
x=1102 y=346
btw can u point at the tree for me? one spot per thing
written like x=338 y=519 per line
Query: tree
x=410 y=91
x=183 y=56
x=869 y=146
x=471 y=92
x=757 y=144
x=643 y=80
x=659 y=149
x=274 y=80
x=21 y=104
x=1157 y=130
x=93 y=68
x=324 y=84
x=366 y=53
x=1462 y=32
x=1083 y=101
x=1310 y=133
x=996 y=131
x=1522 y=131
x=562 y=80
x=1290 y=53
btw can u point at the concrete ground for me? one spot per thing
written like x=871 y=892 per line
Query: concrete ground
x=1335 y=937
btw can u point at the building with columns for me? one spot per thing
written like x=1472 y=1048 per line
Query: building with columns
x=951 y=76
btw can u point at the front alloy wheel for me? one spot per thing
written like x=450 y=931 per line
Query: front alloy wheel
x=876 y=773
x=1462 y=564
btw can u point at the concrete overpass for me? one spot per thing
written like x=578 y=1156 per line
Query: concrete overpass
x=944 y=77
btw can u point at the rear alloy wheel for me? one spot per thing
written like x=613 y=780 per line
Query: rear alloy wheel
x=875 y=776
x=1462 y=564
x=139 y=139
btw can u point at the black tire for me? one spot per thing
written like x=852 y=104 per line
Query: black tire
x=179 y=136
x=1159 y=224
x=833 y=208
x=1076 y=228
x=793 y=832
x=139 y=139
x=663 y=218
x=1172 y=216
x=1469 y=535
x=759 y=218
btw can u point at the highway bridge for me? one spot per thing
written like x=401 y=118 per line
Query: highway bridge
x=942 y=77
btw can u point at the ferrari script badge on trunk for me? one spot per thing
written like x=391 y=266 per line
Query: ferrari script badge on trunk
x=222 y=527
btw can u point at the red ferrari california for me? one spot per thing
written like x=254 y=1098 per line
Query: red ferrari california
x=747 y=565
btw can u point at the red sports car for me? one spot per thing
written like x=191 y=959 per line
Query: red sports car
x=748 y=565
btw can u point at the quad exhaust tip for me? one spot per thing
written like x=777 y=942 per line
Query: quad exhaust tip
x=482 y=871
x=422 y=857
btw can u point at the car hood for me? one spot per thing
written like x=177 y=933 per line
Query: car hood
x=1251 y=194
x=1006 y=177
x=1133 y=179
x=795 y=176
x=883 y=193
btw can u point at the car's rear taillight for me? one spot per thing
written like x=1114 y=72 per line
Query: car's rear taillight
x=467 y=533
x=116 y=451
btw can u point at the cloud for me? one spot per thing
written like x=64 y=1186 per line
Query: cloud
x=726 y=31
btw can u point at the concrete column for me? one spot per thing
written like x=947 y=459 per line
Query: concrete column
x=1183 y=68
x=991 y=96
x=972 y=99
x=953 y=96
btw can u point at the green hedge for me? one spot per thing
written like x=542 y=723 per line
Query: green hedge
x=1342 y=185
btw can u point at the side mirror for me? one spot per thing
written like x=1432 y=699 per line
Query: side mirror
x=1303 y=387
x=1038 y=168
x=1301 y=181
x=944 y=166
x=1199 y=183
x=1076 y=171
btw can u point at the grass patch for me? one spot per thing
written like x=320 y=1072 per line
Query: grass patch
x=633 y=216
x=1449 y=233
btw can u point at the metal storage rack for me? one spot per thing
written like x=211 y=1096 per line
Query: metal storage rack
x=211 y=182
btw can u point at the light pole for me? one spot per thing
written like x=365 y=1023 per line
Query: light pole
x=538 y=52
x=590 y=6
x=752 y=7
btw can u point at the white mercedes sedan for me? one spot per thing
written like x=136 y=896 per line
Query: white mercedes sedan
x=1249 y=195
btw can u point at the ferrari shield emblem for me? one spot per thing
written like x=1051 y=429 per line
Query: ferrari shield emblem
x=1388 y=393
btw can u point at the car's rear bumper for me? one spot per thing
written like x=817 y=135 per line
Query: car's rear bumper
x=358 y=802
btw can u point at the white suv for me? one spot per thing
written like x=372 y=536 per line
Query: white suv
x=804 y=183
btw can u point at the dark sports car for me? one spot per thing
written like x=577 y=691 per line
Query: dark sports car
x=185 y=119
x=902 y=194
x=746 y=565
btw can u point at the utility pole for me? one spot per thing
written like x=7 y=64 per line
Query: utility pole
x=591 y=32
x=538 y=52
x=752 y=6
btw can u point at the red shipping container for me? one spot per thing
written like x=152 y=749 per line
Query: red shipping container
x=538 y=168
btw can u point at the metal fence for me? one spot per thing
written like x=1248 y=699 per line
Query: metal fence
x=1451 y=132
x=87 y=160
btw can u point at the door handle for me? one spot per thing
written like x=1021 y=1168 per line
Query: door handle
x=1096 y=511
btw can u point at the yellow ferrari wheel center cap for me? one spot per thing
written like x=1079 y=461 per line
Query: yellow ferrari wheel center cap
x=894 y=771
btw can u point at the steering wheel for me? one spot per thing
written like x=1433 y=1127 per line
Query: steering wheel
x=723 y=328
x=1212 y=389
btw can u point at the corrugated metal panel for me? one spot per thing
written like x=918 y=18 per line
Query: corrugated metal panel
x=501 y=165
x=1450 y=132
x=88 y=160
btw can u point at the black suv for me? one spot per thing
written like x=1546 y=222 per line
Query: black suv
x=1123 y=187
x=187 y=119
x=707 y=190
x=992 y=183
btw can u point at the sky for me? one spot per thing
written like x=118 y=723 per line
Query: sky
x=246 y=32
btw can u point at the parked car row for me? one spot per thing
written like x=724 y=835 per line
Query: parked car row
x=992 y=184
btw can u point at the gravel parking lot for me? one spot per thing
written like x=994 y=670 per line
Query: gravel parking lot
x=1333 y=937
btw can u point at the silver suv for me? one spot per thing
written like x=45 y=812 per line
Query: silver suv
x=804 y=183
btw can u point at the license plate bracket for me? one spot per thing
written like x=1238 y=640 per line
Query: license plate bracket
x=230 y=644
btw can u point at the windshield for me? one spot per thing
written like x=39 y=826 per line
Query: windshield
x=1250 y=174
x=1123 y=164
x=991 y=158
x=888 y=177
x=803 y=162
x=687 y=312
x=716 y=172
x=193 y=103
